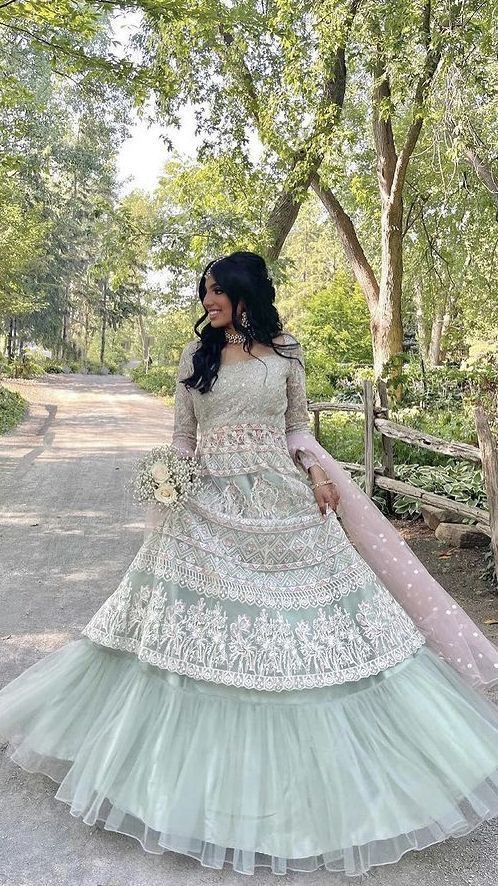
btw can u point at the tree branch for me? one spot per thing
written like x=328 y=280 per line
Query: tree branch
x=385 y=147
x=432 y=59
x=118 y=66
x=305 y=160
x=483 y=171
x=350 y=243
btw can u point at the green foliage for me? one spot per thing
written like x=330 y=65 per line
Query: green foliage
x=445 y=386
x=72 y=258
x=342 y=382
x=456 y=480
x=336 y=324
x=53 y=366
x=342 y=435
x=158 y=380
x=449 y=424
x=25 y=366
x=204 y=210
x=310 y=257
x=69 y=33
x=488 y=571
x=12 y=407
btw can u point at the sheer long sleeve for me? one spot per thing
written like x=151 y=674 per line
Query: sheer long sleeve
x=184 y=438
x=296 y=416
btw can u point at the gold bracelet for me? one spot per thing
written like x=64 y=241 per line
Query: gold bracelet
x=322 y=483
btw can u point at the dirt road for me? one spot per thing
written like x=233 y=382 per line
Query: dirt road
x=67 y=535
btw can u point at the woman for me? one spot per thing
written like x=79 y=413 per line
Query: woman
x=253 y=692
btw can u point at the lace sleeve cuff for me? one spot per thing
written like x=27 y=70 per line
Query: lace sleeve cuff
x=305 y=459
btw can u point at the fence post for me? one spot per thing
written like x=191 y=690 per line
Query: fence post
x=368 y=408
x=387 y=443
x=489 y=457
x=316 y=422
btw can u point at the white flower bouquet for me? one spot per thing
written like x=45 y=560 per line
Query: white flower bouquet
x=164 y=476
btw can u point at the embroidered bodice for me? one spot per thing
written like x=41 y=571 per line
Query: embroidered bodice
x=253 y=405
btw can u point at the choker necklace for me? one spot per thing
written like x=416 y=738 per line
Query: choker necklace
x=234 y=338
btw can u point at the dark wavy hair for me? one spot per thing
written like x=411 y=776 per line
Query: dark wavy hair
x=242 y=276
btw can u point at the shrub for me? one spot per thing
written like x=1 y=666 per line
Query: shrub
x=22 y=367
x=12 y=407
x=456 y=480
x=443 y=386
x=158 y=380
x=342 y=435
x=329 y=380
x=93 y=367
x=53 y=366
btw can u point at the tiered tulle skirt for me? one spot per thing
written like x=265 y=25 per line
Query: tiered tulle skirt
x=347 y=776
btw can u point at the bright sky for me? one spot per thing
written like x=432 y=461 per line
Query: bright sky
x=143 y=155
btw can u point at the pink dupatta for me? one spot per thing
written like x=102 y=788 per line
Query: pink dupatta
x=447 y=628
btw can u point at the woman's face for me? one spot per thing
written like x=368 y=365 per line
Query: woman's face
x=218 y=305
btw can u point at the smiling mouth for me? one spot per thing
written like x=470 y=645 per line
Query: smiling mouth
x=214 y=313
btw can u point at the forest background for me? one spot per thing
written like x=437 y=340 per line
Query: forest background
x=352 y=142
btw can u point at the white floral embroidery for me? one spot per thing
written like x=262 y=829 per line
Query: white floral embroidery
x=264 y=652
x=375 y=617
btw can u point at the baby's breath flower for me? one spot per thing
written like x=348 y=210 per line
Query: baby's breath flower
x=165 y=476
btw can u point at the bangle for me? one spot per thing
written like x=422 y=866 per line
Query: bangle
x=322 y=483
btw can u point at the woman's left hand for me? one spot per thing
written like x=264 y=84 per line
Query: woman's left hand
x=327 y=495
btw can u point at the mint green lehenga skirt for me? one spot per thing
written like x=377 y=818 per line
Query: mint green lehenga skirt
x=346 y=776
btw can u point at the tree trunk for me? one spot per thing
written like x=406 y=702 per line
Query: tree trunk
x=446 y=325
x=386 y=322
x=86 y=338
x=423 y=344
x=436 y=335
x=145 y=340
x=440 y=326
x=280 y=223
x=310 y=155
x=350 y=243
x=104 y=321
x=11 y=338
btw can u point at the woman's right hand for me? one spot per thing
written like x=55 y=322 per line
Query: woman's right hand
x=327 y=494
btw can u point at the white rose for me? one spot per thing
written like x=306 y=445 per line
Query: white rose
x=165 y=493
x=160 y=472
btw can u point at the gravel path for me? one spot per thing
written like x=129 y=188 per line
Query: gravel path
x=67 y=535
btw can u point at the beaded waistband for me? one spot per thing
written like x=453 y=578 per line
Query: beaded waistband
x=246 y=436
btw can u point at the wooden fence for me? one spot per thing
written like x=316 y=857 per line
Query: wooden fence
x=376 y=418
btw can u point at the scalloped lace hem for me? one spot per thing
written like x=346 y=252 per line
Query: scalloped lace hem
x=265 y=682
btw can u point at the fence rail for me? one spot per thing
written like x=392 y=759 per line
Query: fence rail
x=376 y=418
